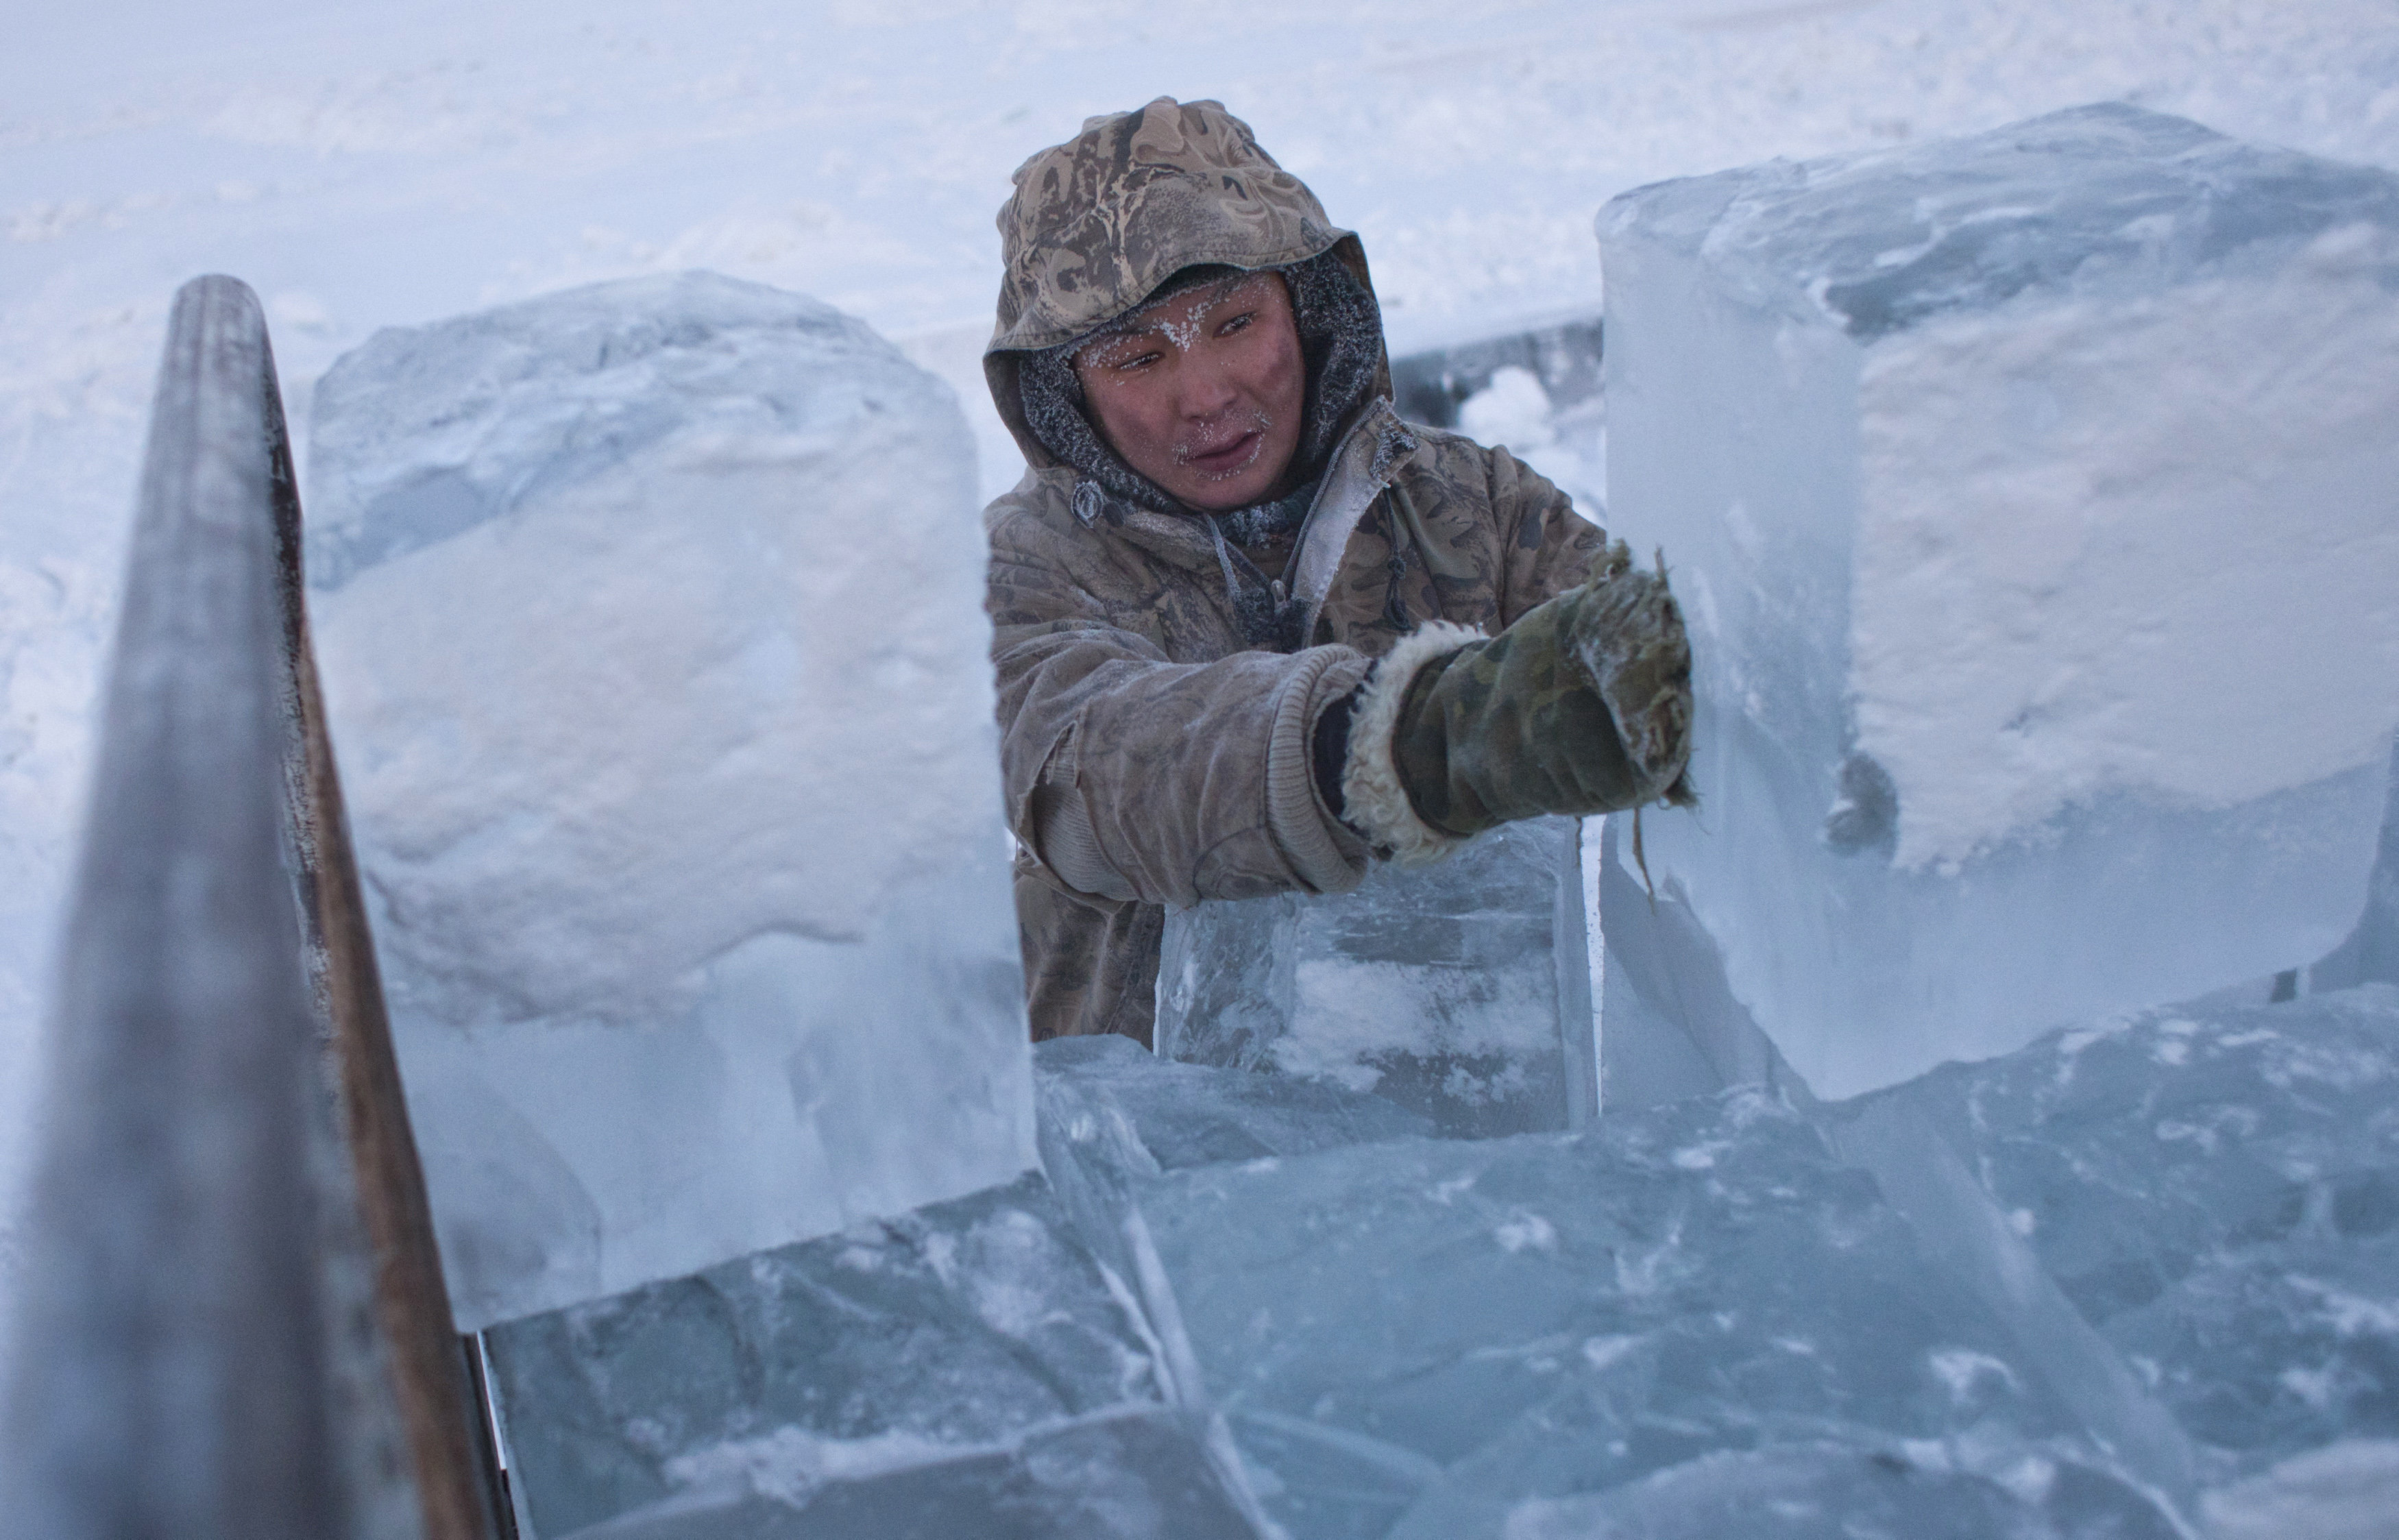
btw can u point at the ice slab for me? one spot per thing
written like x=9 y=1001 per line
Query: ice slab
x=650 y=616
x=1835 y=1492
x=1695 y=1319
x=2217 y=1191
x=1462 y=990
x=2033 y=502
x=1124 y=1476
x=968 y=1369
x=1417 y=1337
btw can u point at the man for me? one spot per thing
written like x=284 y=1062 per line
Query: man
x=1240 y=609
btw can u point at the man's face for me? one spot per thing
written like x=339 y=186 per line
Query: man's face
x=1203 y=394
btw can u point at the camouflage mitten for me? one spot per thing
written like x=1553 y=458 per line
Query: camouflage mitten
x=1582 y=706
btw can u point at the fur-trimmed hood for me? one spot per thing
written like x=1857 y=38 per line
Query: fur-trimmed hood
x=1097 y=224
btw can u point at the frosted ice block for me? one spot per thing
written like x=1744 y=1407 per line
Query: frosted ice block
x=651 y=622
x=2034 y=502
x=1460 y=991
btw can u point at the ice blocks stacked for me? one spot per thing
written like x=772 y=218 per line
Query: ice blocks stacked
x=1621 y=1331
x=651 y=621
x=1697 y=1321
x=2034 y=501
x=1011 y=1363
x=1460 y=990
x=1691 y=1322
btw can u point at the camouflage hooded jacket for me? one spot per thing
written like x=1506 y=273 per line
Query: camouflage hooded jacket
x=1151 y=756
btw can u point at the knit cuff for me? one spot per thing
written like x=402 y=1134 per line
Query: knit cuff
x=1325 y=856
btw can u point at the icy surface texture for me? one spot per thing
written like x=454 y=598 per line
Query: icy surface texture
x=1692 y=1321
x=651 y=621
x=1459 y=990
x=965 y=1370
x=1422 y=1338
x=2033 y=501
x=1190 y=1114
x=2218 y=1192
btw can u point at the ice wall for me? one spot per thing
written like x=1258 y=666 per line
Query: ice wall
x=1462 y=990
x=651 y=621
x=2035 y=502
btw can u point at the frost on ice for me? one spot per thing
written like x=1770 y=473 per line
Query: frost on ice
x=2034 y=501
x=651 y=621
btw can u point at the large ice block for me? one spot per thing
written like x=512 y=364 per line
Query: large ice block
x=2216 y=1189
x=651 y=622
x=1462 y=990
x=1418 y=1338
x=964 y=1370
x=2034 y=500
x=1704 y=1308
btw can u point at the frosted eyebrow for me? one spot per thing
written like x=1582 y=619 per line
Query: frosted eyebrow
x=1147 y=322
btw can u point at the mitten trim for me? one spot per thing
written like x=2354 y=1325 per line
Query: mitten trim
x=1375 y=799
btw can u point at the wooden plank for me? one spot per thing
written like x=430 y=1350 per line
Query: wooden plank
x=439 y=1412
x=412 y=1302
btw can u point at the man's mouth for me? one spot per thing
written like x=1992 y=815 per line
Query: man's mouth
x=1224 y=458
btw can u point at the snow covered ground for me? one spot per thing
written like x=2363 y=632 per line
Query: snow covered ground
x=364 y=169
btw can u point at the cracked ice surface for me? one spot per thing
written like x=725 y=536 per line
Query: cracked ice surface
x=1696 y=1321
x=2218 y=1193
x=1553 y=1334
x=964 y=1370
x=1693 y=1322
x=650 y=618
x=2033 y=501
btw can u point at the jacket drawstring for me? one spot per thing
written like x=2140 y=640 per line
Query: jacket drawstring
x=1225 y=560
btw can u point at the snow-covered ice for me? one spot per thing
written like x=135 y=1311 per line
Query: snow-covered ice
x=2034 y=501
x=1460 y=990
x=650 y=621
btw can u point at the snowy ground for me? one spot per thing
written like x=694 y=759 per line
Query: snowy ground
x=367 y=168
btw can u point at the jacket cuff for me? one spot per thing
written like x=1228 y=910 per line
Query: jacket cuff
x=1374 y=798
x=1325 y=856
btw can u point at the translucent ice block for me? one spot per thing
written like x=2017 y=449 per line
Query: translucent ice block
x=2034 y=503
x=964 y=1370
x=1420 y=1337
x=1460 y=991
x=651 y=621
x=2216 y=1189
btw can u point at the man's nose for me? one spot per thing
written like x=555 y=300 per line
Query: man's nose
x=1203 y=389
